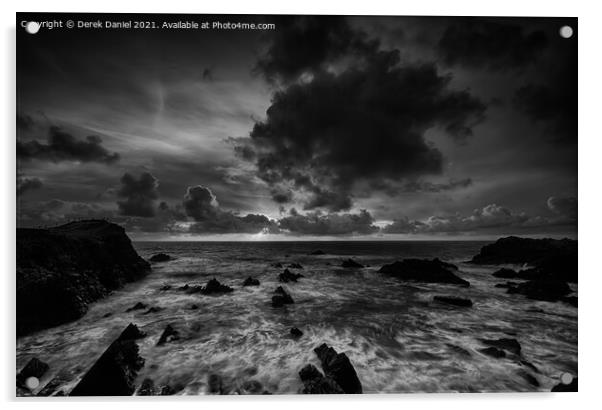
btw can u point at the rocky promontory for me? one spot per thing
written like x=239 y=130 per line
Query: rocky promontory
x=61 y=270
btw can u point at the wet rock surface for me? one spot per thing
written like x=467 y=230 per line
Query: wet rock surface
x=315 y=382
x=424 y=270
x=169 y=335
x=350 y=263
x=288 y=276
x=251 y=282
x=214 y=287
x=296 y=333
x=338 y=367
x=160 y=257
x=281 y=297
x=63 y=269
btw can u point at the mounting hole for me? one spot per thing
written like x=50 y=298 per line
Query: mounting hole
x=32 y=383
x=566 y=32
x=566 y=378
x=32 y=27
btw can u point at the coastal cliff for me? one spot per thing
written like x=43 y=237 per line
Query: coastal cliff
x=61 y=270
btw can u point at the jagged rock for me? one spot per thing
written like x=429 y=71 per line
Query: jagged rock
x=573 y=386
x=61 y=270
x=160 y=257
x=281 y=297
x=194 y=306
x=114 y=372
x=215 y=384
x=251 y=282
x=316 y=383
x=510 y=345
x=338 y=367
x=137 y=306
x=167 y=390
x=318 y=252
x=553 y=259
x=169 y=334
x=165 y=287
x=147 y=388
x=546 y=290
x=252 y=387
x=295 y=266
x=451 y=300
x=34 y=368
x=350 y=263
x=493 y=352
x=288 y=276
x=213 y=286
x=423 y=270
x=296 y=332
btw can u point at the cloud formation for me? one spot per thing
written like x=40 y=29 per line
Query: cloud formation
x=25 y=184
x=62 y=146
x=331 y=224
x=139 y=195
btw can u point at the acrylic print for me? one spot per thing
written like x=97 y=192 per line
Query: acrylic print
x=246 y=204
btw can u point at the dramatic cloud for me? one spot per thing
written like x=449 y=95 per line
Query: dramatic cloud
x=367 y=122
x=56 y=212
x=498 y=46
x=65 y=147
x=565 y=207
x=201 y=205
x=24 y=122
x=26 y=184
x=140 y=195
x=317 y=223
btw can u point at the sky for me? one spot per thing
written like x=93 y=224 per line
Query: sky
x=327 y=127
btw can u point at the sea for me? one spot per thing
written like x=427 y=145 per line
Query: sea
x=398 y=339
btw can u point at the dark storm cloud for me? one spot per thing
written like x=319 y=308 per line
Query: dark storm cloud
x=494 y=45
x=564 y=206
x=62 y=146
x=201 y=205
x=140 y=195
x=24 y=122
x=25 y=184
x=367 y=122
x=417 y=186
x=318 y=223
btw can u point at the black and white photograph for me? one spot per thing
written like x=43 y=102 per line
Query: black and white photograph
x=238 y=204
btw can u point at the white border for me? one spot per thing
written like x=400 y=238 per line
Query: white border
x=590 y=149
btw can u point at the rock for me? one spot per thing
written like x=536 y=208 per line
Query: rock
x=165 y=287
x=288 y=276
x=115 y=371
x=194 y=306
x=552 y=258
x=213 y=286
x=532 y=380
x=546 y=290
x=147 y=388
x=338 y=367
x=169 y=334
x=510 y=345
x=350 y=263
x=34 y=368
x=153 y=309
x=459 y=350
x=318 y=252
x=167 y=390
x=315 y=383
x=281 y=297
x=108 y=314
x=573 y=386
x=137 y=306
x=296 y=332
x=252 y=387
x=63 y=269
x=452 y=300
x=423 y=270
x=250 y=282
x=215 y=384
x=530 y=365
x=295 y=266
x=160 y=257
x=277 y=265
x=493 y=352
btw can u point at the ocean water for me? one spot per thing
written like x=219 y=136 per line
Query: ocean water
x=396 y=337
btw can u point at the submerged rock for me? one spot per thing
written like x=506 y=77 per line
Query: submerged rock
x=114 y=372
x=160 y=257
x=169 y=334
x=34 y=368
x=350 y=263
x=213 y=286
x=424 y=270
x=338 y=367
x=452 y=300
x=315 y=382
x=296 y=332
x=288 y=276
x=493 y=352
x=251 y=282
x=510 y=345
x=281 y=297
x=61 y=270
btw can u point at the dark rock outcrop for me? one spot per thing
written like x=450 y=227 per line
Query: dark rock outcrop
x=423 y=270
x=114 y=372
x=296 y=332
x=215 y=384
x=288 y=276
x=137 y=306
x=350 y=263
x=169 y=334
x=34 y=368
x=493 y=352
x=452 y=300
x=281 y=297
x=213 y=286
x=147 y=388
x=277 y=265
x=61 y=270
x=160 y=257
x=315 y=382
x=338 y=367
x=510 y=345
x=552 y=259
x=541 y=289
x=251 y=282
